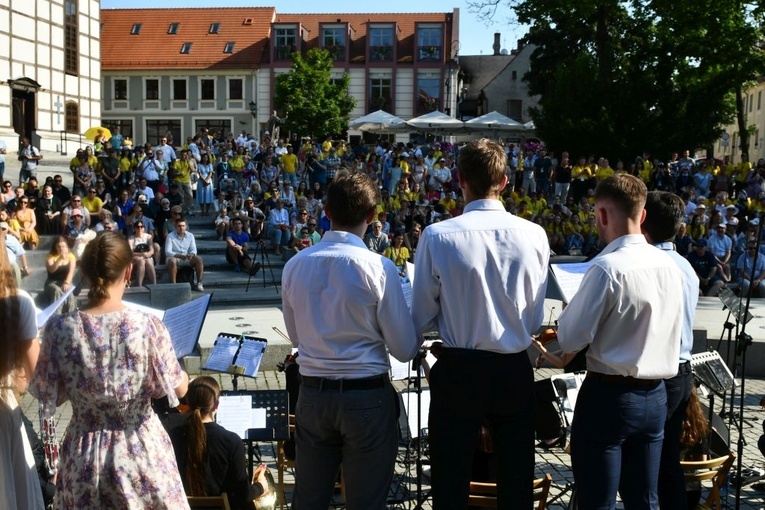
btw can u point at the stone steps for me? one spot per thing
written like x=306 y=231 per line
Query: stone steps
x=228 y=287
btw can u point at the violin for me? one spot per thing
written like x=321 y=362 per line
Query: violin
x=547 y=336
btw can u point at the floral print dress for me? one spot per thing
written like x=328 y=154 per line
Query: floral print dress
x=115 y=453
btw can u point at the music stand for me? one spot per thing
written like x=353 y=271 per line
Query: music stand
x=255 y=415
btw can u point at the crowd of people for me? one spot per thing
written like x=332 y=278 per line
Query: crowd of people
x=432 y=204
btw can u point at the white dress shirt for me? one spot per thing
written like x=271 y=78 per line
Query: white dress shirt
x=343 y=305
x=480 y=279
x=628 y=310
x=690 y=298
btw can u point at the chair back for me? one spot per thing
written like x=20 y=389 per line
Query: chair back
x=209 y=502
x=484 y=494
x=715 y=470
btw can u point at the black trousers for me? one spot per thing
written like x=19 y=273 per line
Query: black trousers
x=671 y=482
x=467 y=387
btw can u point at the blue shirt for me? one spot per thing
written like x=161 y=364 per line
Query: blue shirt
x=240 y=239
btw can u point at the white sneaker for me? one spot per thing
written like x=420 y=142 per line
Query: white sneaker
x=200 y=287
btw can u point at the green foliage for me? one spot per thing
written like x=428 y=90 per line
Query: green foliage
x=617 y=77
x=315 y=105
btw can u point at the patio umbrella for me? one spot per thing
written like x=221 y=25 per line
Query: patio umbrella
x=94 y=131
x=436 y=121
x=495 y=122
x=379 y=122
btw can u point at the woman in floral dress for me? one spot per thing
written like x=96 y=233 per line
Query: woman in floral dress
x=110 y=361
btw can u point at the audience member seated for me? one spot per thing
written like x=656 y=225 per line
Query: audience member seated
x=74 y=203
x=721 y=246
x=142 y=244
x=254 y=219
x=27 y=223
x=61 y=265
x=75 y=228
x=751 y=271
x=47 y=213
x=92 y=202
x=16 y=254
x=210 y=458
x=181 y=251
x=237 y=244
x=301 y=241
x=222 y=223
x=376 y=240
x=705 y=265
x=279 y=226
x=398 y=253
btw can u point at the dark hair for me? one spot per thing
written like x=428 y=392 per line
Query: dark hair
x=626 y=191
x=104 y=262
x=664 y=212
x=350 y=199
x=202 y=398
x=482 y=164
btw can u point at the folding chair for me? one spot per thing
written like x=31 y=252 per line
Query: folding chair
x=715 y=470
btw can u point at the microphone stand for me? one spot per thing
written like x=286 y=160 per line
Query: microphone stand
x=416 y=367
x=744 y=341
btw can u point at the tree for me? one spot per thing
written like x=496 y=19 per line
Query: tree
x=314 y=104
x=620 y=77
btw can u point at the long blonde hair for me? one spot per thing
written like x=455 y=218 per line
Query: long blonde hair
x=9 y=317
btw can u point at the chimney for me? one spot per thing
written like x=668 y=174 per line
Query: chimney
x=496 y=46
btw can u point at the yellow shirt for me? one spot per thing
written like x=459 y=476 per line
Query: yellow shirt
x=448 y=203
x=289 y=162
x=237 y=163
x=743 y=171
x=399 y=256
x=183 y=172
x=604 y=172
x=580 y=172
x=92 y=203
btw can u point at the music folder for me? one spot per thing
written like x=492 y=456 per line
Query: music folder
x=184 y=322
x=236 y=354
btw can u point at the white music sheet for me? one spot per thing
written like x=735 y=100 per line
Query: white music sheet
x=569 y=277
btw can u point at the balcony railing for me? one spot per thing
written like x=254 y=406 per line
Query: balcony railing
x=284 y=52
x=429 y=53
x=380 y=53
x=337 y=51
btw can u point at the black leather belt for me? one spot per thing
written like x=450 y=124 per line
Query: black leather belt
x=624 y=380
x=322 y=383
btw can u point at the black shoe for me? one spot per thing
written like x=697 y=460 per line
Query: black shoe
x=547 y=445
x=255 y=268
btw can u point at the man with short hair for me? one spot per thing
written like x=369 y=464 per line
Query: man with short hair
x=377 y=241
x=237 y=244
x=626 y=310
x=721 y=247
x=480 y=282
x=664 y=212
x=181 y=251
x=706 y=267
x=289 y=163
x=347 y=411
x=29 y=155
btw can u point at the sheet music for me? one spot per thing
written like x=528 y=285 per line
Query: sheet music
x=235 y=414
x=222 y=354
x=569 y=277
x=44 y=315
x=406 y=286
x=409 y=398
x=258 y=418
x=250 y=355
x=185 y=322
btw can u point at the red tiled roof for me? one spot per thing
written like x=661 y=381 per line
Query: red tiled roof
x=405 y=22
x=154 y=48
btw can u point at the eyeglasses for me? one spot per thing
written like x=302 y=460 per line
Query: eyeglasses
x=138 y=226
x=92 y=192
x=312 y=224
x=76 y=200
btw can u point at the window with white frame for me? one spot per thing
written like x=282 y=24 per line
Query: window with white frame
x=428 y=92
x=380 y=92
x=333 y=40
x=381 y=43
x=285 y=42
x=120 y=87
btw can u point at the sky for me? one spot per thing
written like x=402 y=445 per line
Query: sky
x=476 y=37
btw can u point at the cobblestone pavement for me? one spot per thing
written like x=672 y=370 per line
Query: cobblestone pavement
x=556 y=462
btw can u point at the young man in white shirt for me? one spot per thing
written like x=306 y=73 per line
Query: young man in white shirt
x=343 y=306
x=628 y=310
x=480 y=282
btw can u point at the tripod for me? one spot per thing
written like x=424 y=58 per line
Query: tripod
x=260 y=248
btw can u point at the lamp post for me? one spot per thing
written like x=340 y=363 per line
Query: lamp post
x=453 y=58
x=254 y=109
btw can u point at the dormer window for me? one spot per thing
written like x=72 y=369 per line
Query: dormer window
x=381 y=43
x=333 y=39
x=285 y=42
x=430 y=43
